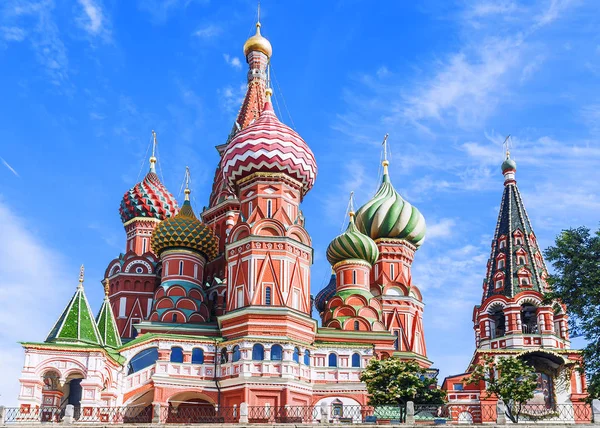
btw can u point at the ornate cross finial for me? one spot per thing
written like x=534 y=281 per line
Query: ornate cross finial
x=187 y=183
x=81 y=276
x=385 y=162
x=507 y=144
x=258 y=15
x=153 y=157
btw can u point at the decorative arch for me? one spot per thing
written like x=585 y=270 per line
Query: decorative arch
x=140 y=261
x=240 y=231
x=260 y=226
x=299 y=234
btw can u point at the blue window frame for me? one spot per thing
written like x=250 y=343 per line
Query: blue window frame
x=258 y=352
x=307 y=358
x=332 y=360
x=197 y=356
x=142 y=359
x=268 y=296
x=236 y=353
x=356 y=360
x=176 y=354
x=296 y=355
x=276 y=353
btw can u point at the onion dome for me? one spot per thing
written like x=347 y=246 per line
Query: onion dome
x=508 y=164
x=149 y=198
x=269 y=146
x=185 y=231
x=258 y=43
x=352 y=244
x=325 y=294
x=387 y=215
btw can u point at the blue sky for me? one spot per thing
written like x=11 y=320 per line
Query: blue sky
x=84 y=82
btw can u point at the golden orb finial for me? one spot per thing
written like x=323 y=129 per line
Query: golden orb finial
x=258 y=43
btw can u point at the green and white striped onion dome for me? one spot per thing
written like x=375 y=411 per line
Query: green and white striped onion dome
x=387 y=215
x=352 y=245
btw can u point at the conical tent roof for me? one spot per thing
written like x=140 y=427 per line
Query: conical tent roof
x=107 y=326
x=76 y=323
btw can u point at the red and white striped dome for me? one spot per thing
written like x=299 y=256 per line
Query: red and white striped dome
x=269 y=146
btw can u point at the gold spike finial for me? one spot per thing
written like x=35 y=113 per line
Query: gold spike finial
x=153 y=157
x=385 y=162
x=81 y=276
x=187 y=190
x=351 y=206
x=106 y=284
x=506 y=144
x=258 y=15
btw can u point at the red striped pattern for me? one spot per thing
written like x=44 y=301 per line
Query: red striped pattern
x=269 y=146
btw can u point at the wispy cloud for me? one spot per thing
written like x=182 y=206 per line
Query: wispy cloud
x=233 y=61
x=93 y=19
x=208 y=32
x=442 y=229
x=10 y=168
x=161 y=10
x=13 y=34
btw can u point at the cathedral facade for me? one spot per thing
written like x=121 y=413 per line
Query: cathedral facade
x=216 y=309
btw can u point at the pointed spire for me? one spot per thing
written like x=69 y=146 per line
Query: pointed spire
x=385 y=162
x=187 y=190
x=509 y=166
x=76 y=324
x=106 y=323
x=351 y=212
x=153 y=157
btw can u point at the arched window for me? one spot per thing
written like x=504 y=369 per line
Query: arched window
x=501 y=264
x=236 y=353
x=396 y=339
x=296 y=356
x=332 y=360
x=142 y=359
x=258 y=352
x=181 y=267
x=197 y=356
x=307 y=358
x=524 y=280
x=276 y=353
x=354 y=277
x=174 y=318
x=268 y=296
x=499 y=283
x=502 y=244
x=176 y=354
x=499 y=323
x=356 y=325
x=529 y=319
x=269 y=208
x=356 y=360
x=521 y=260
x=392 y=273
x=224 y=357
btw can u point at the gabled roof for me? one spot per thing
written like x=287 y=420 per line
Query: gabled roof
x=107 y=326
x=76 y=324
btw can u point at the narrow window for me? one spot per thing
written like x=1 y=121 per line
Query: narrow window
x=166 y=269
x=236 y=353
x=501 y=264
x=296 y=356
x=502 y=244
x=521 y=260
x=289 y=211
x=332 y=360
x=195 y=270
x=131 y=244
x=392 y=271
x=224 y=357
x=356 y=360
x=269 y=208
x=356 y=325
x=353 y=277
x=258 y=352
x=376 y=271
x=122 y=306
x=240 y=297
x=149 y=308
x=197 y=356
x=181 y=267
x=499 y=283
x=295 y=299
x=176 y=355
x=268 y=296
x=276 y=353
x=249 y=208
x=307 y=358
x=174 y=318
x=144 y=243
x=396 y=340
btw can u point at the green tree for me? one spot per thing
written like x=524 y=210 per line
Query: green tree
x=510 y=379
x=395 y=382
x=575 y=257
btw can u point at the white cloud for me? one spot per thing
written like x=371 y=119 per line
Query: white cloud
x=92 y=19
x=13 y=34
x=208 y=32
x=29 y=269
x=553 y=12
x=10 y=168
x=233 y=61
x=442 y=229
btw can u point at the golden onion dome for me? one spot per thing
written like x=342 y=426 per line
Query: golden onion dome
x=258 y=43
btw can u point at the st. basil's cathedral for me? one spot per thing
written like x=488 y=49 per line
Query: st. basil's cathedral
x=215 y=308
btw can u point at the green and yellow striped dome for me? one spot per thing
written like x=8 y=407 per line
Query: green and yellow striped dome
x=387 y=215
x=185 y=231
x=352 y=245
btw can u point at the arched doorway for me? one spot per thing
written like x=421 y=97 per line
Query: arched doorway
x=192 y=407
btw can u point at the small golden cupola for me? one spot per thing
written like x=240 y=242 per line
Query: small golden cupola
x=258 y=43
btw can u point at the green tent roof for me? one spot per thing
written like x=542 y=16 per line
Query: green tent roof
x=107 y=326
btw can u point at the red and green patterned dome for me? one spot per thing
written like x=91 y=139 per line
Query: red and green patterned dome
x=148 y=199
x=185 y=231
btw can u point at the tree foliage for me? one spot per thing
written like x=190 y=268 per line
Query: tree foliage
x=575 y=257
x=394 y=381
x=510 y=379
